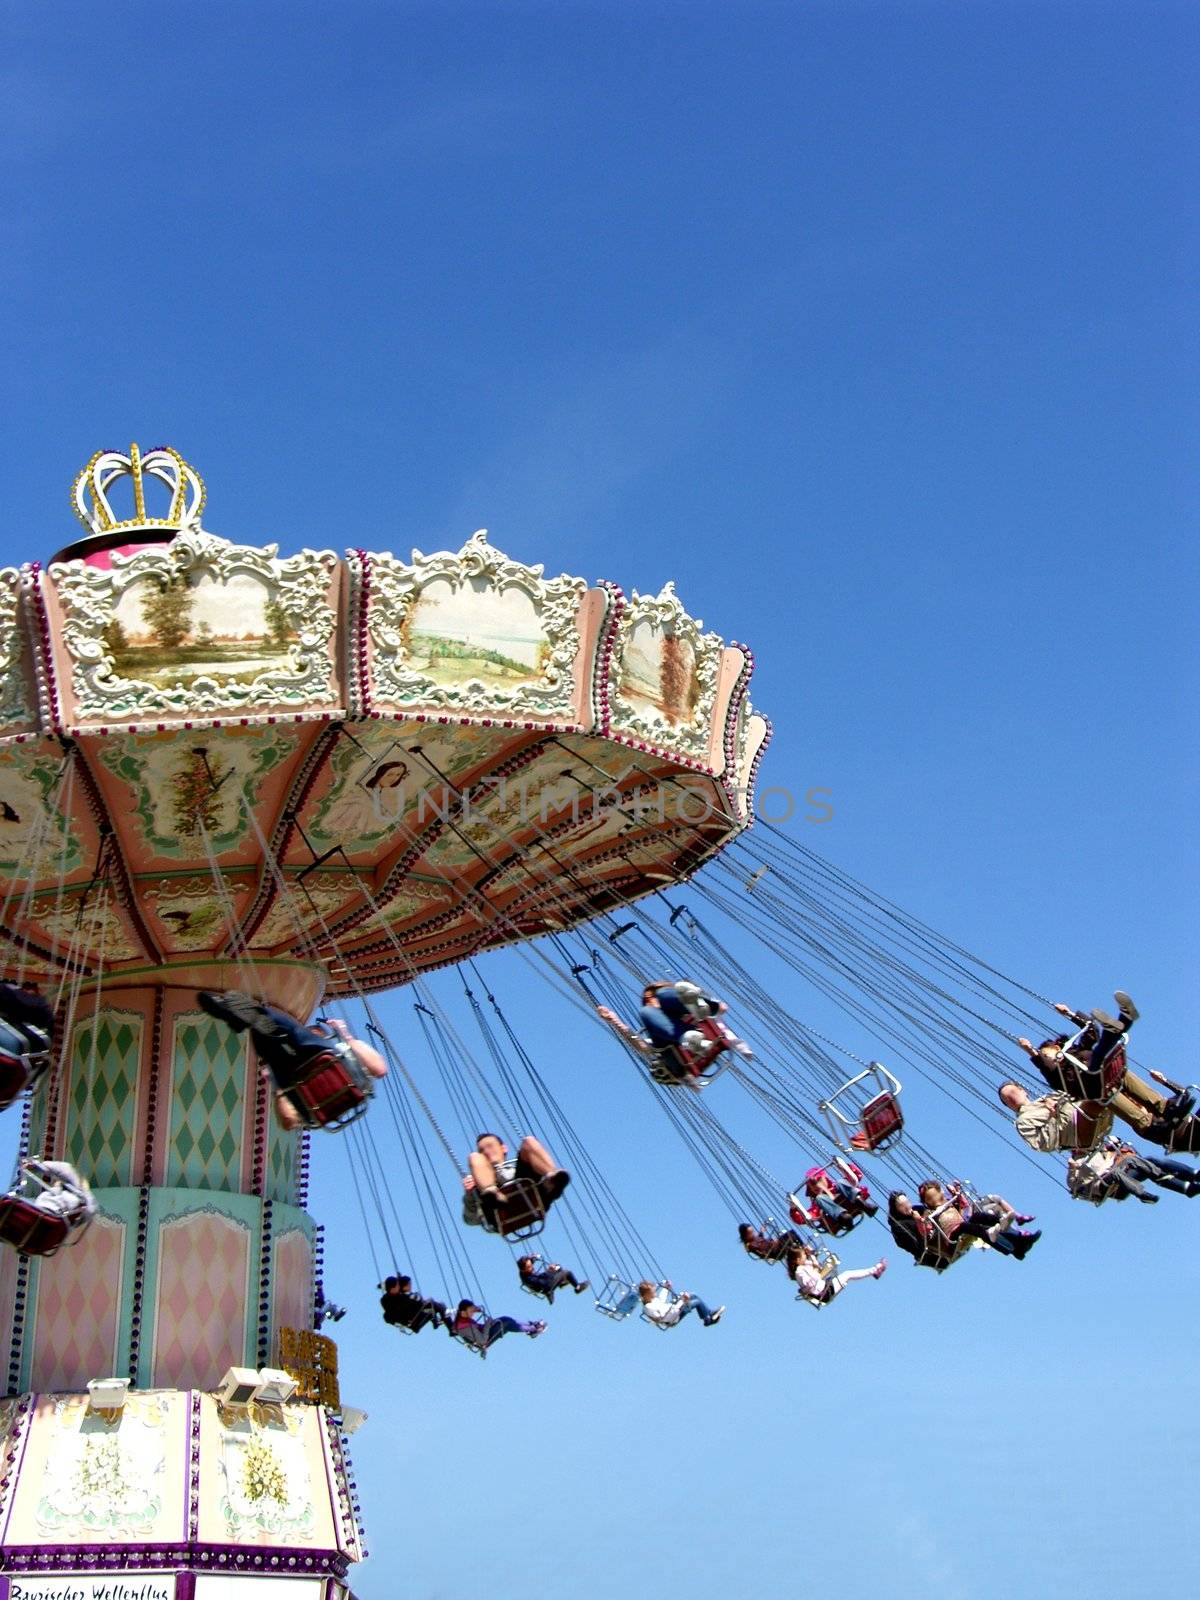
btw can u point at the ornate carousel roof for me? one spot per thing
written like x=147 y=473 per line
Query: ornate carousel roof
x=209 y=750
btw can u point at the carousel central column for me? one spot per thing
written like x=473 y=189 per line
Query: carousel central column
x=202 y=1249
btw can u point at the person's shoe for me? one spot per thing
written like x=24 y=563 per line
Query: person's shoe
x=1152 y=1199
x=334 y=1313
x=1024 y=1243
x=536 y=1329
x=1192 y=1190
x=239 y=1011
x=870 y=1208
x=741 y=1048
x=715 y=1318
x=1129 y=1012
x=1022 y=1217
x=1112 y=1024
x=581 y=1287
x=553 y=1184
x=880 y=1267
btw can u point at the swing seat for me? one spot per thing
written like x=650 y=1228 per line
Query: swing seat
x=694 y=1068
x=881 y=1121
x=612 y=1301
x=29 y=1229
x=520 y=1211
x=873 y=1123
x=1082 y=1080
x=21 y=1064
x=846 y=1223
x=827 y=1265
x=479 y=1350
x=837 y=1171
x=15 y=1078
x=948 y=1244
x=329 y=1090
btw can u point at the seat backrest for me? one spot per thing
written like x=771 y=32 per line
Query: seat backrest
x=330 y=1090
x=697 y=1063
x=520 y=1210
x=881 y=1120
x=14 y=1079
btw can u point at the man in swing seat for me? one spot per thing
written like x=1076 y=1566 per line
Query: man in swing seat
x=504 y=1193
x=294 y=1054
x=839 y=1198
x=545 y=1278
x=1094 y=1067
x=1055 y=1121
x=1118 y=1172
x=26 y=1034
x=403 y=1309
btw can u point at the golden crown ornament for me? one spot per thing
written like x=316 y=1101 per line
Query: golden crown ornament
x=89 y=493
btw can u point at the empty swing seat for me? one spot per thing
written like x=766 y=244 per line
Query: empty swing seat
x=881 y=1121
x=29 y=1229
x=618 y=1299
x=871 y=1124
x=328 y=1090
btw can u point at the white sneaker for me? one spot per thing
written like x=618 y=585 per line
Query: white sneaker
x=716 y=1317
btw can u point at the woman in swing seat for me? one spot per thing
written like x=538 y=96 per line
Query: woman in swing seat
x=545 y=1277
x=993 y=1220
x=285 y=1047
x=472 y=1326
x=804 y=1269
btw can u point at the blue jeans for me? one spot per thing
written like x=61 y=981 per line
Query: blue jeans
x=667 y=1022
x=697 y=1305
x=841 y=1204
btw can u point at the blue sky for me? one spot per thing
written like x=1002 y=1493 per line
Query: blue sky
x=873 y=326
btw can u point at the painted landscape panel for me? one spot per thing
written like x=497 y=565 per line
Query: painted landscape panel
x=198 y=627
x=492 y=636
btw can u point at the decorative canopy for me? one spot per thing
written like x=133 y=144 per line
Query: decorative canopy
x=209 y=750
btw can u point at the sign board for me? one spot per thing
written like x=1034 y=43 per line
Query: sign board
x=92 y=1586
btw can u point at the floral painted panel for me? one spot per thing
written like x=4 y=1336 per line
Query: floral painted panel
x=107 y=1480
x=179 y=795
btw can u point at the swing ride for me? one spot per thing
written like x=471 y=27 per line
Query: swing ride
x=230 y=779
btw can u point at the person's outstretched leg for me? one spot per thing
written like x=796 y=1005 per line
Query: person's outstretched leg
x=540 y=1164
x=853 y=1274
